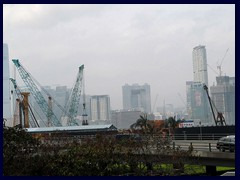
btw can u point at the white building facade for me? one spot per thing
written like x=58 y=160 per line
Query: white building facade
x=199 y=57
x=197 y=101
x=100 y=108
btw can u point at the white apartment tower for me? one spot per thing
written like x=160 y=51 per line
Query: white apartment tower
x=100 y=108
x=198 y=105
x=200 y=73
x=6 y=84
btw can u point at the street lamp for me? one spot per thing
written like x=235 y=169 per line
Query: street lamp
x=200 y=130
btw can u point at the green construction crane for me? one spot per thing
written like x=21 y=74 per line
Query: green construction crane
x=36 y=94
x=74 y=99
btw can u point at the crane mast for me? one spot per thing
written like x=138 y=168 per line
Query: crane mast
x=36 y=93
x=25 y=106
x=74 y=99
x=84 y=114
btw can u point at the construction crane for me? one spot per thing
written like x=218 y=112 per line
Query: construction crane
x=219 y=120
x=23 y=104
x=84 y=114
x=154 y=105
x=182 y=100
x=219 y=66
x=74 y=99
x=36 y=93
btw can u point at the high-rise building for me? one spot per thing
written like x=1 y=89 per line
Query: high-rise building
x=100 y=109
x=200 y=109
x=136 y=97
x=200 y=73
x=197 y=101
x=189 y=85
x=6 y=84
x=223 y=96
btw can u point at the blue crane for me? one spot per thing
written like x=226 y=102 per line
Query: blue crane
x=36 y=94
x=74 y=99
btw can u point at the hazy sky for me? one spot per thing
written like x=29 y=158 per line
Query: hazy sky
x=120 y=44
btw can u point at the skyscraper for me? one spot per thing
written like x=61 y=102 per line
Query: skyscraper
x=6 y=84
x=100 y=109
x=197 y=100
x=200 y=73
x=137 y=97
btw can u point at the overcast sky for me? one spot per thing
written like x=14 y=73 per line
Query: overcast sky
x=120 y=44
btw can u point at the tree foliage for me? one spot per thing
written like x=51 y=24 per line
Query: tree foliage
x=146 y=126
x=17 y=146
x=103 y=155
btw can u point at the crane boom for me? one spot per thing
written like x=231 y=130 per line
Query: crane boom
x=17 y=90
x=220 y=65
x=155 y=101
x=36 y=93
x=74 y=99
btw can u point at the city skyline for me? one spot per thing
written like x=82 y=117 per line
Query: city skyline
x=120 y=44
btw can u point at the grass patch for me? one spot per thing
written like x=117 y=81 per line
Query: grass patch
x=221 y=168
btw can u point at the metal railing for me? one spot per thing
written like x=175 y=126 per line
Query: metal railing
x=199 y=136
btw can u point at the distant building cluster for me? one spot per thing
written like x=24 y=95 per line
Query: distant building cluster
x=222 y=95
x=136 y=99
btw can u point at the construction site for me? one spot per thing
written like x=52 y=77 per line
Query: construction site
x=26 y=117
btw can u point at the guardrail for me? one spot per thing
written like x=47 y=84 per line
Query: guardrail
x=196 y=145
x=198 y=136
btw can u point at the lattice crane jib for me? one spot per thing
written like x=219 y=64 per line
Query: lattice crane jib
x=18 y=92
x=36 y=93
x=74 y=99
